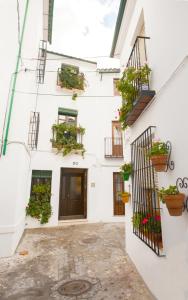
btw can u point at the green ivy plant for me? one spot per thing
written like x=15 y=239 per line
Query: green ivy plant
x=65 y=138
x=158 y=148
x=70 y=78
x=39 y=205
x=126 y=168
x=128 y=90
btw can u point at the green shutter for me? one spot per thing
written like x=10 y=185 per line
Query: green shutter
x=67 y=112
x=41 y=174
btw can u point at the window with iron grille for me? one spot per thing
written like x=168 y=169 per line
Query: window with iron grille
x=41 y=177
x=68 y=116
x=146 y=207
x=33 y=130
x=41 y=64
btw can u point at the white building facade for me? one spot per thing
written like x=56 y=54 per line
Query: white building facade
x=96 y=110
x=157 y=27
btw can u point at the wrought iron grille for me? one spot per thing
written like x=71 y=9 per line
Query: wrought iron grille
x=146 y=208
x=40 y=177
x=113 y=147
x=137 y=59
x=33 y=130
x=41 y=61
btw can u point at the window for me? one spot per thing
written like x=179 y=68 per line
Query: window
x=118 y=188
x=116 y=92
x=41 y=177
x=68 y=116
x=33 y=130
x=146 y=207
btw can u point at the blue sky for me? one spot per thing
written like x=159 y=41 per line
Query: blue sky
x=84 y=28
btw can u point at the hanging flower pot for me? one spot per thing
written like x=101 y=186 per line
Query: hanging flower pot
x=125 y=197
x=159 y=162
x=126 y=171
x=173 y=199
x=174 y=203
x=126 y=176
x=158 y=155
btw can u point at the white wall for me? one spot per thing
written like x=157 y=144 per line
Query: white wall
x=165 y=22
x=96 y=110
x=14 y=166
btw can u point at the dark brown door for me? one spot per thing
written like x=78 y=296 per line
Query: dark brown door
x=117 y=145
x=118 y=184
x=72 y=204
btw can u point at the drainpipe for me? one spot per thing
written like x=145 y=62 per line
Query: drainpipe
x=15 y=79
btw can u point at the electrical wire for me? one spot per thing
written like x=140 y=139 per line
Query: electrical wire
x=62 y=95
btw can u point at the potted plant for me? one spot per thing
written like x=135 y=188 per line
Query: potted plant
x=173 y=199
x=126 y=171
x=158 y=155
x=67 y=138
x=125 y=197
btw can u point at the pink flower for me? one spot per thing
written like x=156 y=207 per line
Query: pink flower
x=144 y=221
x=157 y=218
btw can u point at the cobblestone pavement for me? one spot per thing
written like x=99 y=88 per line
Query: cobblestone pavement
x=82 y=261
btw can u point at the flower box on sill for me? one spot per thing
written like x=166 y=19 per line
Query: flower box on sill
x=145 y=96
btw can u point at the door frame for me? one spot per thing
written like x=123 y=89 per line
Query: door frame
x=122 y=206
x=73 y=171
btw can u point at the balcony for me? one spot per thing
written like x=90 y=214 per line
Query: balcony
x=67 y=138
x=143 y=94
x=113 y=147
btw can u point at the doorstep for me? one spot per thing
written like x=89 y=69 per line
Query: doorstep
x=72 y=222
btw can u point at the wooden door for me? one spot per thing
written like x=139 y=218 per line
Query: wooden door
x=117 y=145
x=72 y=204
x=118 y=185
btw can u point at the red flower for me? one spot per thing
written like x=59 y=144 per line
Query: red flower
x=148 y=216
x=157 y=218
x=144 y=221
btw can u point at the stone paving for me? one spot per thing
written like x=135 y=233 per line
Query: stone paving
x=82 y=261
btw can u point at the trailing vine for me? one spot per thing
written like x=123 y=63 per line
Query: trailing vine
x=128 y=87
x=65 y=138
x=39 y=205
x=70 y=78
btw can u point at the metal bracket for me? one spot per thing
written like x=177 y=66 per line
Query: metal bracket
x=170 y=163
x=182 y=183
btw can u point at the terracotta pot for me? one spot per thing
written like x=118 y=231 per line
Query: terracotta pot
x=174 y=204
x=159 y=162
x=125 y=198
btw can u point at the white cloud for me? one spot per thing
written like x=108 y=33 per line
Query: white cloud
x=84 y=28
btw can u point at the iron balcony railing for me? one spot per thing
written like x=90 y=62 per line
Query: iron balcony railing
x=113 y=147
x=137 y=60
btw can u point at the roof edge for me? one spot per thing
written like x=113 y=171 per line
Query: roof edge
x=72 y=57
x=118 y=26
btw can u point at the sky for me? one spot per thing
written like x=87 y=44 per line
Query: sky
x=84 y=28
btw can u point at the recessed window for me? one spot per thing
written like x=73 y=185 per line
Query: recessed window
x=68 y=116
x=41 y=177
